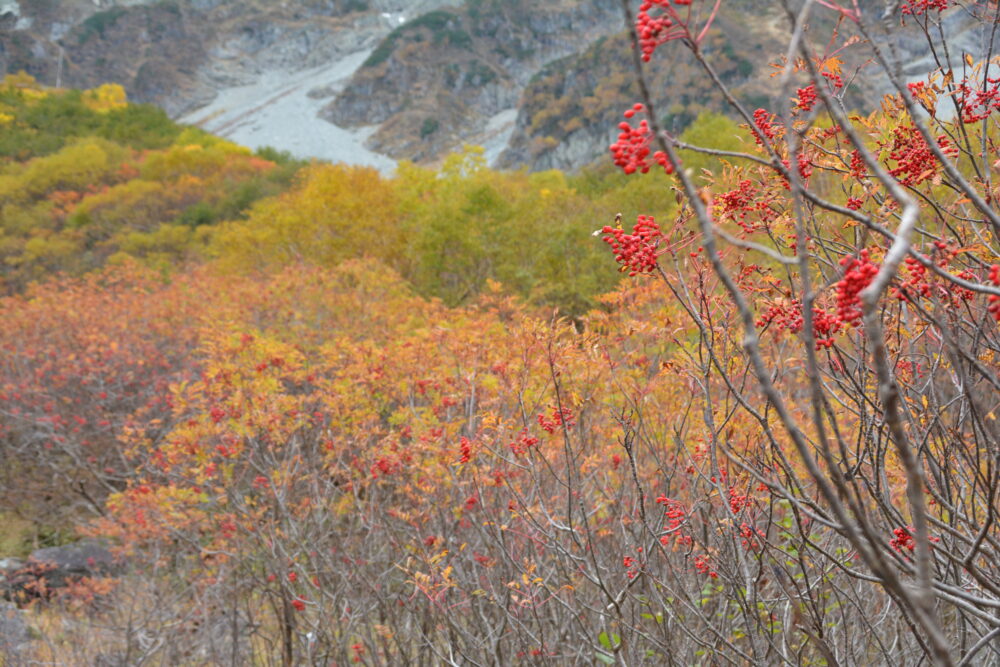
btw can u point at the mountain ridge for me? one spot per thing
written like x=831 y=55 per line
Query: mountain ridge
x=372 y=82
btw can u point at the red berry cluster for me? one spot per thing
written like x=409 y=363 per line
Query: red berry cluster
x=465 y=446
x=675 y=515
x=805 y=168
x=906 y=368
x=749 y=536
x=793 y=243
x=918 y=7
x=904 y=539
x=632 y=566
x=701 y=564
x=636 y=252
x=737 y=501
x=560 y=417
x=632 y=149
x=834 y=78
x=825 y=326
x=916 y=282
x=786 y=315
x=858 y=169
x=923 y=94
x=807 y=97
x=359 y=650
x=384 y=467
x=858 y=274
x=743 y=277
x=854 y=203
x=959 y=294
x=743 y=201
x=915 y=163
x=828 y=133
x=765 y=127
x=523 y=443
x=978 y=103
x=217 y=413
x=660 y=28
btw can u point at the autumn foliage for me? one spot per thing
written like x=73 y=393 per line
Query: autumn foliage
x=342 y=441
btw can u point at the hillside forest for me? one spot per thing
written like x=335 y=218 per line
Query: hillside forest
x=727 y=396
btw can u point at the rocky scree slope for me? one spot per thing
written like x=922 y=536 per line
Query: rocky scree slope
x=438 y=81
x=179 y=53
x=540 y=85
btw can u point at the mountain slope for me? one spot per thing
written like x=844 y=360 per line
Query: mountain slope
x=438 y=81
x=373 y=81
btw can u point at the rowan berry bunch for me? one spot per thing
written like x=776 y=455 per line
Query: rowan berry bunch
x=636 y=252
x=658 y=23
x=919 y=7
x=904 y=539
x=465 y=448
x=807 y=97
x=825 y=326
x=632 y=149
x=523 y=442
x=675 y=515
x=977 y=101
x=747 y=206
x=765 y=127
x=557 y=417
x=702 y=565
x=859 y=171
x=805 y=168
x=915 y=163
x=858 y=274
x=786 y=315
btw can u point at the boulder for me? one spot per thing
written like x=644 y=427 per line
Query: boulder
x=52 y=568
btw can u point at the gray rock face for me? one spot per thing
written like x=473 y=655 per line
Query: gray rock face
x=434 y=83
x=82 y=558
x=50 y=569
